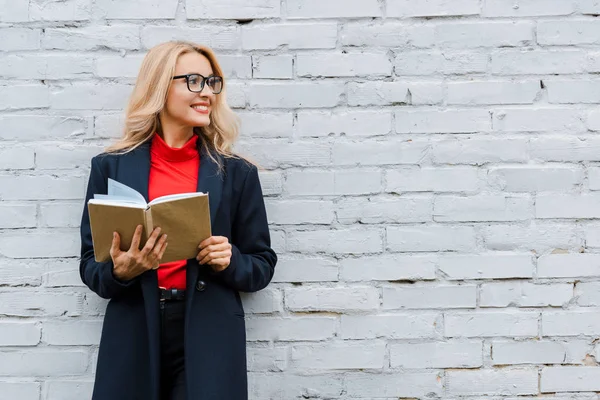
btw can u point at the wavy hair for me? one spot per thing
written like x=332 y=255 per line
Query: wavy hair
x=149 y=97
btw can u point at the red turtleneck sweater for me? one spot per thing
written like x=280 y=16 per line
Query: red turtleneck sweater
x=172 y=171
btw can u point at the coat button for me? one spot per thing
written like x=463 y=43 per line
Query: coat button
x=200 y=285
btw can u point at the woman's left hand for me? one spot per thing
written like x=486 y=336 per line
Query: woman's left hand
x=216 y=252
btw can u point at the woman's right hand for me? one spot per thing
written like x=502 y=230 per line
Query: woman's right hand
x=133 y=262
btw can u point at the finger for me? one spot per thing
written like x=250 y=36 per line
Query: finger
x=212 y=240
x=115 y=247
x=222 y=262
x=159 y=245
x=151 y=241
x=214 y=255
x=137 y=237
x=162 y=250
x=212 y=248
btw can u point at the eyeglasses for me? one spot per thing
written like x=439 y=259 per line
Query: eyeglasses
x=195 y=82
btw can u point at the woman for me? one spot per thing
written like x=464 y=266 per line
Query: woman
x=176 y=331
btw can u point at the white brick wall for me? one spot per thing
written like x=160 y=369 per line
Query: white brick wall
x=431 y=173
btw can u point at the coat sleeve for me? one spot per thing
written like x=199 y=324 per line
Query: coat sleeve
x=98 y=276
x=252 y=261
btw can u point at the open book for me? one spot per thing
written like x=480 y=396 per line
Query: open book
x=184 y=218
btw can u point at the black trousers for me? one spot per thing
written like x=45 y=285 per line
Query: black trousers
x=172 y=366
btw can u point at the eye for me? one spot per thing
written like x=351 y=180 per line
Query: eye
x=194 y=79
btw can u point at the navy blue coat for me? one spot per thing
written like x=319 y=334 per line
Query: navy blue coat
x=215 y=337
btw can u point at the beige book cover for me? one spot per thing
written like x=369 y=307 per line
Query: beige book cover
x=184 y=218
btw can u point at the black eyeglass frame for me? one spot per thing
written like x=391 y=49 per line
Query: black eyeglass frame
x=204 y=79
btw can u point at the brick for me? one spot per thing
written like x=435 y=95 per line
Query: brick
x=538 y=62
x=571 y=32
x=28 y=304
x=118 y=67
x=306 y=269
x=69 y=390
x=412 y=63
x=431 y=238
x=435 y=8
x=76 y=332
x=594 y=178
x=527 y=8
x=18 y=12
x=18 y=215
x=573 y=92
x=448 y=121
x=21 y=272
x=295 y=95
x=343 y=65
x=14 y=157
x=396 y=326
x=69 y=10
x=417 y=297
x=383 y=210
x=388 y=268
x=545 y=119
x=214 y=36
x=592 y=236
x=232 y=9
x=493 y=92
x=485 y=34
x=54 y=243
x=482 y=208
x=331 y=183
x=64 y=156
x=340 y=241
x=394 y=384
x=267 y=124
x=291 y=329
x=427 y=179
x=575 y=265
x=19 y=333
x=453 y=354
x=394 y=93
x=117 y=37
x=109 y=126
x=146 y=9
x=18 y=39
x=332 y=356
x=380 y=153
x=535 y=178
x=94 y=305
x=289 y=386
x=493 y=382
x=266 y=301
x=530 y=352
x=271 y=36
x=386 y=34
x=297 y=212
x=491 y=324
x=25 y=128
x=271 y=182
x=20 y=390
x=538 y=237
x=273 y=67
x=565 y=379
x=17 y=97
x=38 y=362
x=557 y=148
x=587 y=293
x=98 y=96
x=570 y=323
x=41 y=187
x=271 y=154
x=331 y=299
x=333 y=9
x=477 y=150
x=346 y=123
x=567 y=206
x=591 y=7
x=62 y=273
x=486 y=266
x=524 y=294
x=267 y=359
x=235 y=94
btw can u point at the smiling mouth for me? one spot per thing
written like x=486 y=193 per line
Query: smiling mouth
x=200 y=108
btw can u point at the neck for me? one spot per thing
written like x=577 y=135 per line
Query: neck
x=175 y=135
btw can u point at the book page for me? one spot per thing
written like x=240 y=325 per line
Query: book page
x=117 y=189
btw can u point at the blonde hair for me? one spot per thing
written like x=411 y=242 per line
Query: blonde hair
x=149 y=97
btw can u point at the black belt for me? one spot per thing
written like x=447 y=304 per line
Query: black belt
x=171 y=294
